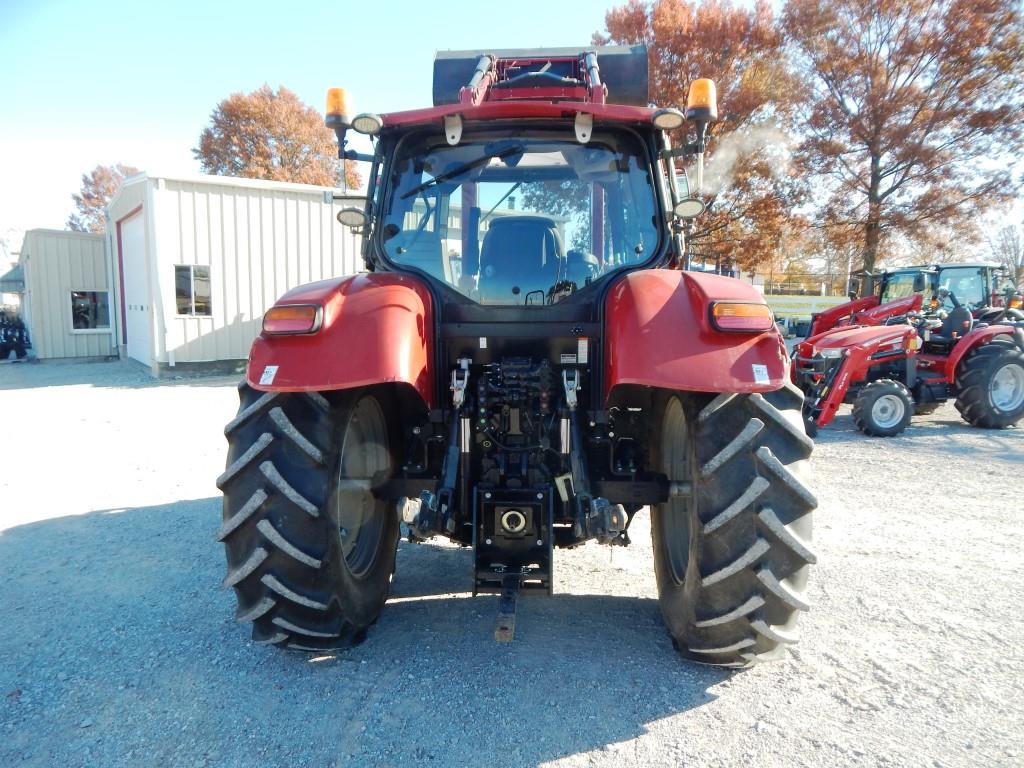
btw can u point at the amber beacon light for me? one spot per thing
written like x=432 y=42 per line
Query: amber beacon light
x=741 y=316
x=702 y=101
x=337 y=108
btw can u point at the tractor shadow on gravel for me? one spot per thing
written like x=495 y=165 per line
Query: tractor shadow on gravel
x=118 y=645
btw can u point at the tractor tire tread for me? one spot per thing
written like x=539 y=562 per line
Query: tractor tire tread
x=275 y=531
x=865 y=399
x=978 y=366
x=752 y=548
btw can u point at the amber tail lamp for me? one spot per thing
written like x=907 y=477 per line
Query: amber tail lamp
x=742 y=317
x=292 y=319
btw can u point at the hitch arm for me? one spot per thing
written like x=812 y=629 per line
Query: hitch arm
x=595 y=517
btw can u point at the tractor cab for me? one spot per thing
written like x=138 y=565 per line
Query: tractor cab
x=529 y=221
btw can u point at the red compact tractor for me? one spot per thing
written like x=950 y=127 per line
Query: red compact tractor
x=984 y=288
x=913 y=364
x=525 y=365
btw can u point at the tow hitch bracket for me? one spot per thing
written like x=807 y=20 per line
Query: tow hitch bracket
x=505 y=625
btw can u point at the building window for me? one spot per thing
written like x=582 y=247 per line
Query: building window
x=192 y=290
x=90 y=311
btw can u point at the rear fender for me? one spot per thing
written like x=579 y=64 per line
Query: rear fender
x=971 y=340
x=659 y=334
x=377 y=328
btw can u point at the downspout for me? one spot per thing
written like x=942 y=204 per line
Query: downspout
x=159 y=326
x=113 y=290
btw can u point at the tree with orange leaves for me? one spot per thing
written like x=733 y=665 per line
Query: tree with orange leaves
x=98 y=186
x=271 y=135
x=750 y=188
x=914 y=112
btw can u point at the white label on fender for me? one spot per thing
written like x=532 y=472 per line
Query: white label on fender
x=760 y=374
x=581 y=350
x=268 y=375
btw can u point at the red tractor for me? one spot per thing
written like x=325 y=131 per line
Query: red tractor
x=525 y=365
x=913 y=364
x=984 y=288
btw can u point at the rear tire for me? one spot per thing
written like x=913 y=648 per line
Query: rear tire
x=990 y=385
x=732 y=559
x=310 y=559
x=883 y=408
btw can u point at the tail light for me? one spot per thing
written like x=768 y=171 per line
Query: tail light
x=293 y=318
x=742 y=317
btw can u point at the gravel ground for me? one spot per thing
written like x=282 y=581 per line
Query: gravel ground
x=117 y=644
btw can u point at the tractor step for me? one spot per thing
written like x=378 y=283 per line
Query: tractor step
x=505 y=626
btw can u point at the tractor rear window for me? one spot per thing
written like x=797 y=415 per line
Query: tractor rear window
x=521 y=221
x=898 y=286
x=967 y=284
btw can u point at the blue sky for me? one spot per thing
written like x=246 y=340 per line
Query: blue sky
x=84 y=83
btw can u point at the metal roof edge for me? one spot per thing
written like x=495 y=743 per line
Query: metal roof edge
x=235 y=181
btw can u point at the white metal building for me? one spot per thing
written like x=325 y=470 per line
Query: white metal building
x=67 y=304
x=198 y=260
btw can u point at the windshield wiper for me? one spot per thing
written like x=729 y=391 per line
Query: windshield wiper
x=464 y=168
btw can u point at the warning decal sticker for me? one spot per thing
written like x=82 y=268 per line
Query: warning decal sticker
x=268 y=375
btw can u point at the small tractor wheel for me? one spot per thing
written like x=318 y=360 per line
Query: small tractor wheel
x=990 y=385
x=310 y=550
x=883 y=408
x=732 y=557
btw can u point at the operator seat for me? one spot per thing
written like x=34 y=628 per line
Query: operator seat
x=959 y=321
x=519 y=256
x=581 y=266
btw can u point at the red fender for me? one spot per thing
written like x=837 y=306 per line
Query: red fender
x=969 y=342
x=658 y=334
x=376 y=328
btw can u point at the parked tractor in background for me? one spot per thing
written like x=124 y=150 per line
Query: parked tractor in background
x=525 y=366
x=913 y=364
x=984 y=287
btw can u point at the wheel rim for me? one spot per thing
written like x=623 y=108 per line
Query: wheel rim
x=1006 y=389
x=888 y=411
x=675 y=517
x=364 y=456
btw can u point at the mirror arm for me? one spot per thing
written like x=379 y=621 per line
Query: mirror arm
x=351 y=154
x=686 y=150
x=680 y=244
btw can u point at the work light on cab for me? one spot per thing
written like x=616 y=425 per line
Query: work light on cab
x=367 y=123
x=741 y=316
x=293 y=319
x=667 y=119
